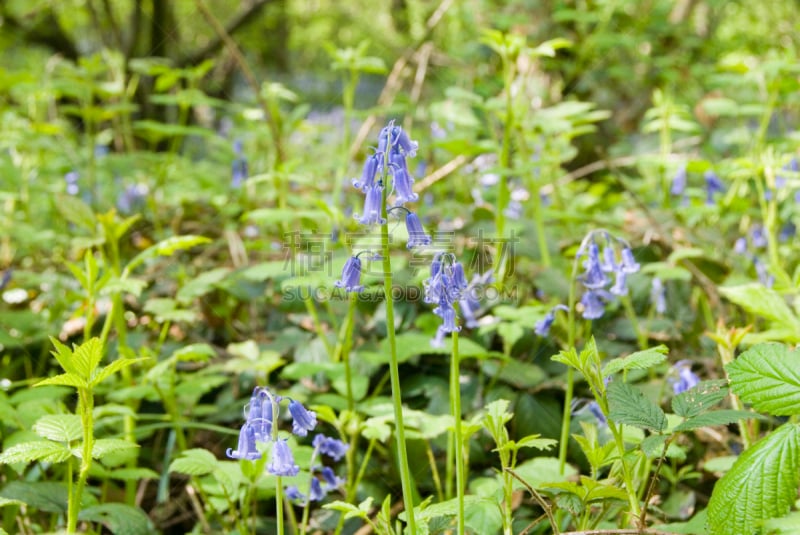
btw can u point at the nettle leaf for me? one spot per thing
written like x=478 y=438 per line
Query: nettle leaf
x=762 y=484
x=40 y=450
x=118 y=518
x=627 y=405
x=723 y=417
x=194 y=462
x=767 y=376
x=761 y=301
x=59 y=427
x=641 y=360
x=699 y=399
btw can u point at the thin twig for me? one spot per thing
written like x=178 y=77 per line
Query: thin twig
x=548 y=510
x=440 y=173
x=651 y=488
x=233 y=48
x=392 y=85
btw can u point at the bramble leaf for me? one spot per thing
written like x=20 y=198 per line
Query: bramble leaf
x=627 y=405
x=194 y=462
x=39 y=450
x=723 y=417
x=699 y=399
x=767 y=376
x=641 y=360
x=59 y=427
x=766 y=303
x=762 y=484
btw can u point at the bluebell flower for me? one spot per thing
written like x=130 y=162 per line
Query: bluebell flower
x=593 y=307
x=446 y=311
x=239 y=172
x=401 y=179
x=788 y=230
x=282 y=461
x=394 y=136
x=468 y=308
x=740 y=245
x=330 y=478
x=764 y=276
x=351 y=275
x=658 y=296
x=246 y=449
x=303 y=420
x=132 y=198
x=317 y=493
x=609 y=263
x=71 y=179
x=371 y=166
x=292 y=493
x=331 y=447
x=372 y=207
x=619 y=288
x=437 y=342
x=678 y=186
x=594 y=277
x=713 y=185
x=686 y=379
x=629 y=264
x=595 y=410
x=416 y=234
x=543 y=326
x=758 y=237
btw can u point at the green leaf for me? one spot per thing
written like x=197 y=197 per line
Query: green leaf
x=699 y=399
x=40 y=450
x=76 y=211
x=201 y=285
x=63 y=355
x=59 y=427
x=723 y=417
x=761 y=485
x=767 y=376
x=764 y=302
x=166 y=248
x=45 y=496
x=107 y=446
x=627 y=405
x=65 y=379
x=87 y=356
x=113 y=368
x=194 y=462
x=641 y=360
x=118 y=518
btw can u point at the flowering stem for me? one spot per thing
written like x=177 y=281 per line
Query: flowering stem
x=278 y=481
x=455 y=393
x=567 y=417
x=394 y=371
x=307 y=507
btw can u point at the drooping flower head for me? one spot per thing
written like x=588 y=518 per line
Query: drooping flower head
x=678 y=186
x=617 y=259
x=331 y=447
x=303 y=420
x=351 y=275
x=282 y=461
x=543 y=326
x=445 y=288
x=372 y=207
x=246 y=449
x=713 y=185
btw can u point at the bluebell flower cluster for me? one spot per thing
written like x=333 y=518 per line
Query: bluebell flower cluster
x=261 y=413
x=686 y=379
x=327 y=481
x=751 y=249
x=596 y=277
x=445 y=287
x=71 y=179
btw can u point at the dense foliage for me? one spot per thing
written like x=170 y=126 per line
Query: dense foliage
x=467 y=266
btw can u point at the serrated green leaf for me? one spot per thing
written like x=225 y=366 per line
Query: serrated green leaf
x=722 y=417
x=59 y=427
x=653 y=446
x=63 y=355
x=766 y=303
x=767 y=376
x=104 y=373
x=641 y=360
x=194 y=462
x=40 y=450
x=87 y=356
x=65 y=379
x=106 y=446
x=762 y=484
x=118 y=518
x=350 y=510
x=627 y=405
x=45 y=496
x=699 y=399
x=6 y=501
